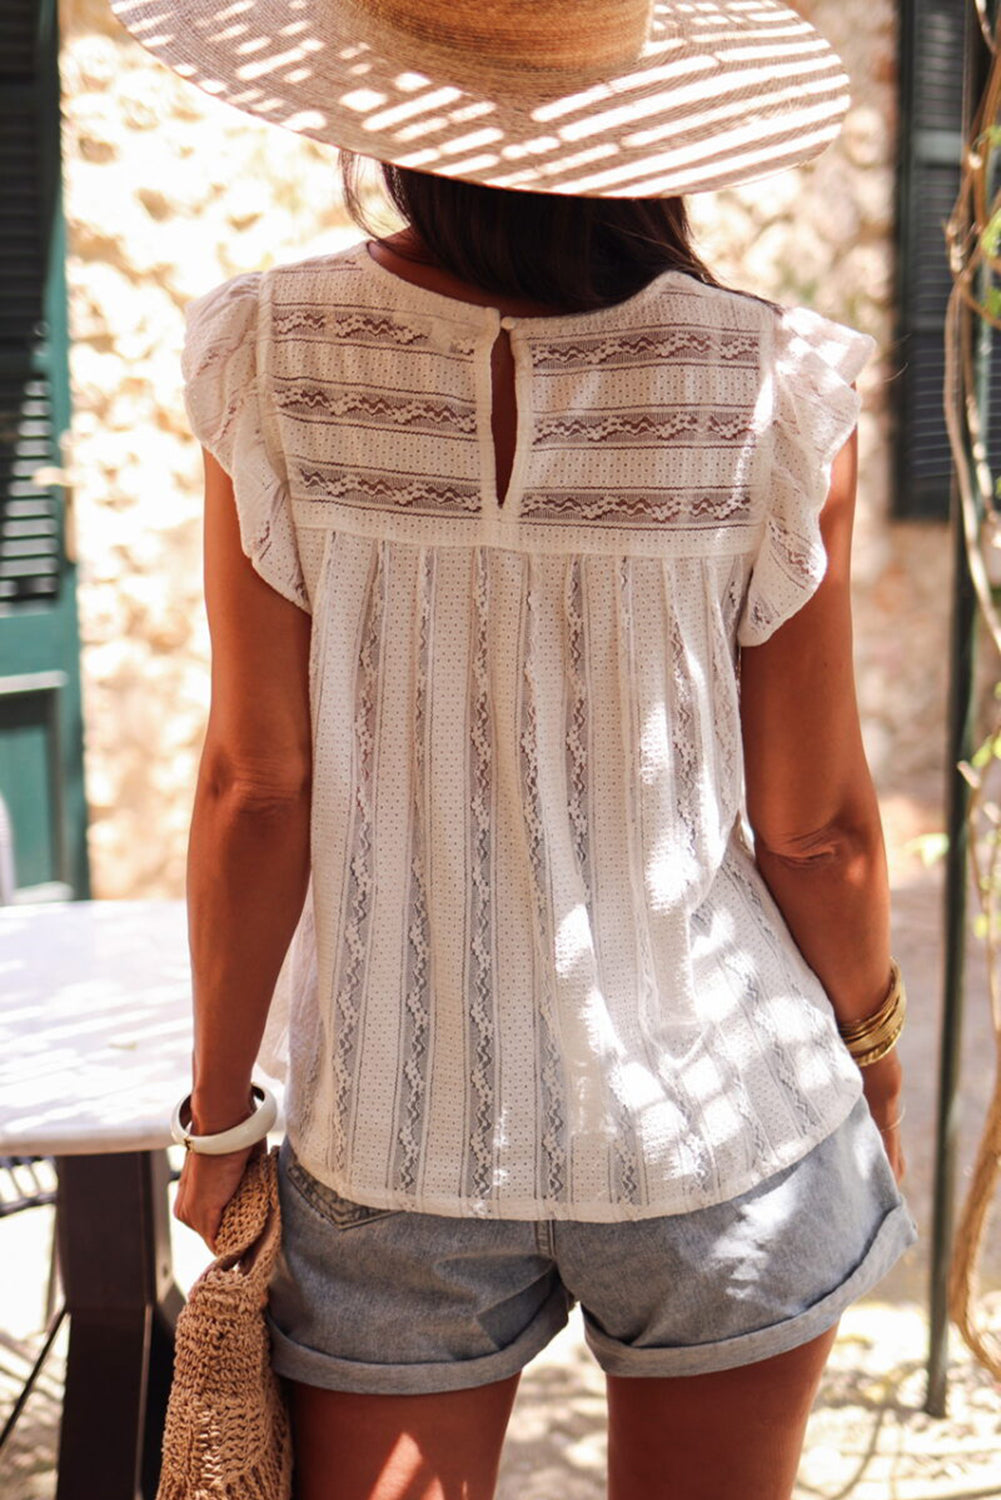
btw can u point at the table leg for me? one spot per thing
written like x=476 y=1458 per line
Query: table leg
x=114 y=1254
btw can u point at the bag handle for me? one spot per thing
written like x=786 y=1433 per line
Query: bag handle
x=251 y=1220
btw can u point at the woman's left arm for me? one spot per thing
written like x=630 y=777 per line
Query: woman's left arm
x=248 y=850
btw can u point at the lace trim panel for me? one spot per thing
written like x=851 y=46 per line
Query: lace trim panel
x=369 y=328
x=308 y=1010
x=479 y=1174
x=552 y=1135
x=660 y=1059
x=359 y=886
x=684 y=742
x=702 y=509
x=778 y=1046
x=417 y=1007
x=577 y=723
x=732 y=602
x=397 y=411
x=691 y=344
x=724 y=603
x=384 y=490
x=694 y=426
x=733 y=1087
x=624 y=1184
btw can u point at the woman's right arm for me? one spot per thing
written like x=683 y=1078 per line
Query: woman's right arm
x=811 y=803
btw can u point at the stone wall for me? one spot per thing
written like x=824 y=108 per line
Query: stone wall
x=825 y=236
x=169 y=192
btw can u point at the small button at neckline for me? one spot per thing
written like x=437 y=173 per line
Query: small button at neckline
x=509 y=322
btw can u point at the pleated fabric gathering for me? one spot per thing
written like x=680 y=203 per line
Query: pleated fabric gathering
x=538 y=974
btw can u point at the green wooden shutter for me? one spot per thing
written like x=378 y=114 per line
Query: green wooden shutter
x=931 y=121
x=41 y=755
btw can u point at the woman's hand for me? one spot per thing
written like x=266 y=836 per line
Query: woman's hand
x=206 y=1186
x=209 y=1182
x=882 y=1083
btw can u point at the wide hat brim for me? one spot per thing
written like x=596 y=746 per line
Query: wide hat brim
x=724 y=92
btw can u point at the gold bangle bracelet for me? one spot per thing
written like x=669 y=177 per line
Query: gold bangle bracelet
x=876 y=1054
x=853 y=1031
x=887 y=1032
x=874 y=1036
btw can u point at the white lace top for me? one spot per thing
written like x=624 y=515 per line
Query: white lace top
x=537 y=974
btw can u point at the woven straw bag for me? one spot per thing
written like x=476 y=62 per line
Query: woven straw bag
x=227 y=1433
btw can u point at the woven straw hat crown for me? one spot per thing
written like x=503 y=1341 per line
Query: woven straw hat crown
x=632 y=98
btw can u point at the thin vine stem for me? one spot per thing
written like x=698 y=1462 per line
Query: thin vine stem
x=986 y=28
x=973 y=237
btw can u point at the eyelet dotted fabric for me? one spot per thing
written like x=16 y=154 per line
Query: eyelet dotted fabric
x=538 y=974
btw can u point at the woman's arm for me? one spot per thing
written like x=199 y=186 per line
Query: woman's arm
x=248 y=851
x=810 y=797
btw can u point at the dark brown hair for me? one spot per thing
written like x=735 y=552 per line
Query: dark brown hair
x=570 y=253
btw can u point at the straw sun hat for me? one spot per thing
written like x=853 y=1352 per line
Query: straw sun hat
x=605 y=98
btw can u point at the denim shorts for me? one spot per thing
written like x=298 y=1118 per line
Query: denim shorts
x=391 y=1302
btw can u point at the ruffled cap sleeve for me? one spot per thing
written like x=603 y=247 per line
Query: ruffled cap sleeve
x=815 y=410
x=223 y=362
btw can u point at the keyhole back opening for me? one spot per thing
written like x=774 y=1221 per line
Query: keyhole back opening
x=503 y=411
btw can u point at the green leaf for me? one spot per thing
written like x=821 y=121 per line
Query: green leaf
x=929 y=847
x=984 y=754
x=980 y=925
x=990 y=239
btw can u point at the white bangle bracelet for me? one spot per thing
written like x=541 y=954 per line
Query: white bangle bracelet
x=247 y=1133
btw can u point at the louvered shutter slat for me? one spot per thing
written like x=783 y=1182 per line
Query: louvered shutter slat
x=41 y=714
x=30 y=542
x=933 y=40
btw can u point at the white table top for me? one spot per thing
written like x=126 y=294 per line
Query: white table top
x=95 y=1025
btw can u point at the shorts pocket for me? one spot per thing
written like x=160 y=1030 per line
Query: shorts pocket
x=323 y=1200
